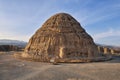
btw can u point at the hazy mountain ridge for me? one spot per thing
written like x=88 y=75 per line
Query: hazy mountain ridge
x=13 y=42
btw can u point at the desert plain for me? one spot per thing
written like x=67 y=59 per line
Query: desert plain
x=17 y=69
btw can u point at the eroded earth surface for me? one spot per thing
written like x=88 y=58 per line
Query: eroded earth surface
x=16 y=69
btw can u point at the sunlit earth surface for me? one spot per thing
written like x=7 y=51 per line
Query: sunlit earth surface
x=16 y=69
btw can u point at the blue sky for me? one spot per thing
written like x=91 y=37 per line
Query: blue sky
x=19 y=19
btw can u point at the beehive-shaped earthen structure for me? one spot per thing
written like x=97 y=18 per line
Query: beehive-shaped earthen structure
x=61 y=37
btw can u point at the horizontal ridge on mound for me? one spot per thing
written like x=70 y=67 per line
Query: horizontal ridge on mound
x=60 y=37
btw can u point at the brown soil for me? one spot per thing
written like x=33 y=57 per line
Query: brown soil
x=16 y=69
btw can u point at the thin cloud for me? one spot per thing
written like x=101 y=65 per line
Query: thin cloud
x=8 y=35
x=102 y=12
x=109 y=33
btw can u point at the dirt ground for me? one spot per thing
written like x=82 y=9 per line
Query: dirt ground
x=16 y=69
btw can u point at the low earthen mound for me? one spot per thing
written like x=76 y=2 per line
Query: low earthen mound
x=61 y=38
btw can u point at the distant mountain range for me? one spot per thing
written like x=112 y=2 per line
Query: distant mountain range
x=13 y=42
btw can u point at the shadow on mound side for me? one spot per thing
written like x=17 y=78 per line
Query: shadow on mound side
x=62 y=39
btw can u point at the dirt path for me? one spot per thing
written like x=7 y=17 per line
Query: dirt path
x=35 y=72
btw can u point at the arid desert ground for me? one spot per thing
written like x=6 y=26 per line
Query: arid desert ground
x=16 y=69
